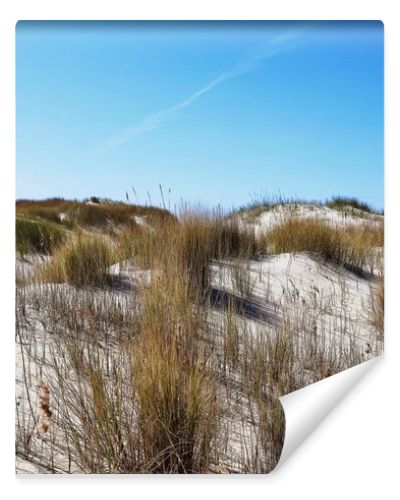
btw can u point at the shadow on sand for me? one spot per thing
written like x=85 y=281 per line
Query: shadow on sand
x=250 y=309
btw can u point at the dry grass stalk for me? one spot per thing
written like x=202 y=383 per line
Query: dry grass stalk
x=378 y=307
x=45 y=413
x=155 y=386
x=82 y=261
x=345 y=246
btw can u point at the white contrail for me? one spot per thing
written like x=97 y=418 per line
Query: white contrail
x=151 y=122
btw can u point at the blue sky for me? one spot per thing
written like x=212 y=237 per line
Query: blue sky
x=216 y=112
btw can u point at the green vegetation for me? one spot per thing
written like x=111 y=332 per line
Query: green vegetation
x=264 y=203
x=103 y=215
x=345 y=202
x=38 y=236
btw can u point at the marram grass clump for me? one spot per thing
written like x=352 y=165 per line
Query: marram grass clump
x=350 y=247
x=82 y=261
x=34 y=236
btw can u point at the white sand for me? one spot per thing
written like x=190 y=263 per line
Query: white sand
x=300 y=284
x=270 y=218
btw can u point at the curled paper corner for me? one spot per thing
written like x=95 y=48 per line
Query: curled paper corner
x=308 y=407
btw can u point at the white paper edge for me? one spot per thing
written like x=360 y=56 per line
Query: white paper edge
x=307 y=408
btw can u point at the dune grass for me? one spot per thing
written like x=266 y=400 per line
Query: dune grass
x=102 y=215
x=38 y=236
x=349 y=247
x=82 y=261
x=377 y=315
x=156 y=410
x=189 y=245
x=176 y=392
x=149 y=403
x=152 y=381
x=344 y=202
x=264 y=202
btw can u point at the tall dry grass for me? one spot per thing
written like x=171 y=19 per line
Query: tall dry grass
x=176 y=392
x=377 y=316
x=188 y=247
x=33 y=236
x=350 y=246
x=154 y=382
x=82 y=261
x=162 y=386
x=177 y=409
x=139 y=244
